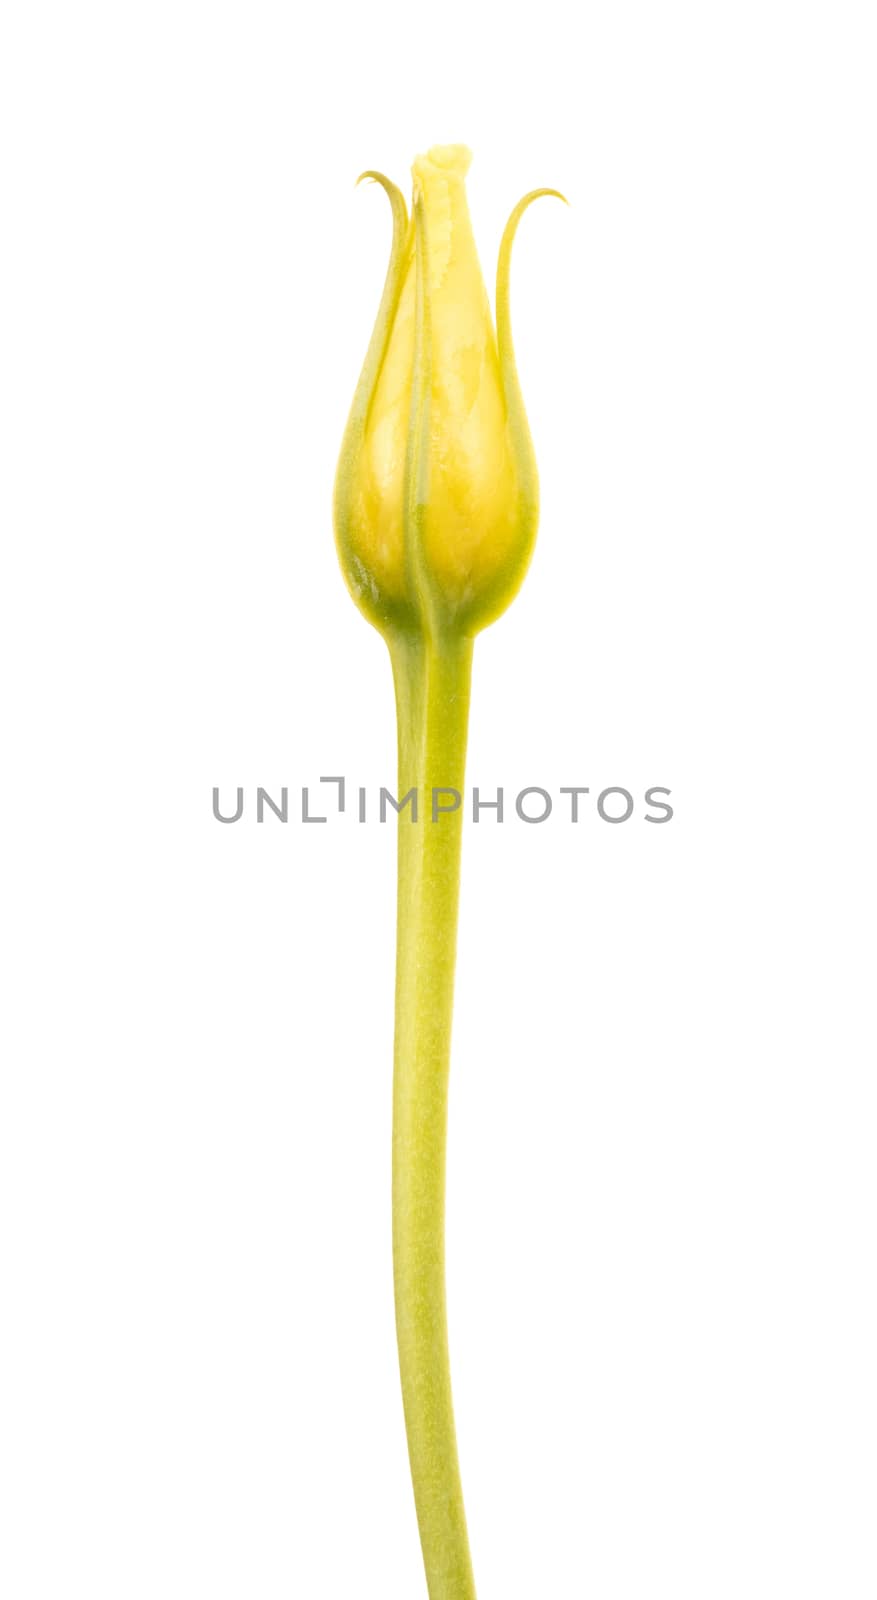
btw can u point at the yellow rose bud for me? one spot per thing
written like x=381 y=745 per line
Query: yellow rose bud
x=436 y=505
x=436 y=497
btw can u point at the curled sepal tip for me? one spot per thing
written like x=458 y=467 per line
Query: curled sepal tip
x=362 y=582
x=505 y=346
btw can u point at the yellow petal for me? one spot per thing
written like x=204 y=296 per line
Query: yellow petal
x=466 y=490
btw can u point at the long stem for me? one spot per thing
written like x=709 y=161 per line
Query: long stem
x=432 y=702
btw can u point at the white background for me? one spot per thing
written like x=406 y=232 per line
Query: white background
x=662 y=1176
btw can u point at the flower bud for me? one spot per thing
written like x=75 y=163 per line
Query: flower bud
x=436 y=496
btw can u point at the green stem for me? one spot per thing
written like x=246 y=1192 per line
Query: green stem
x=432 y=703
